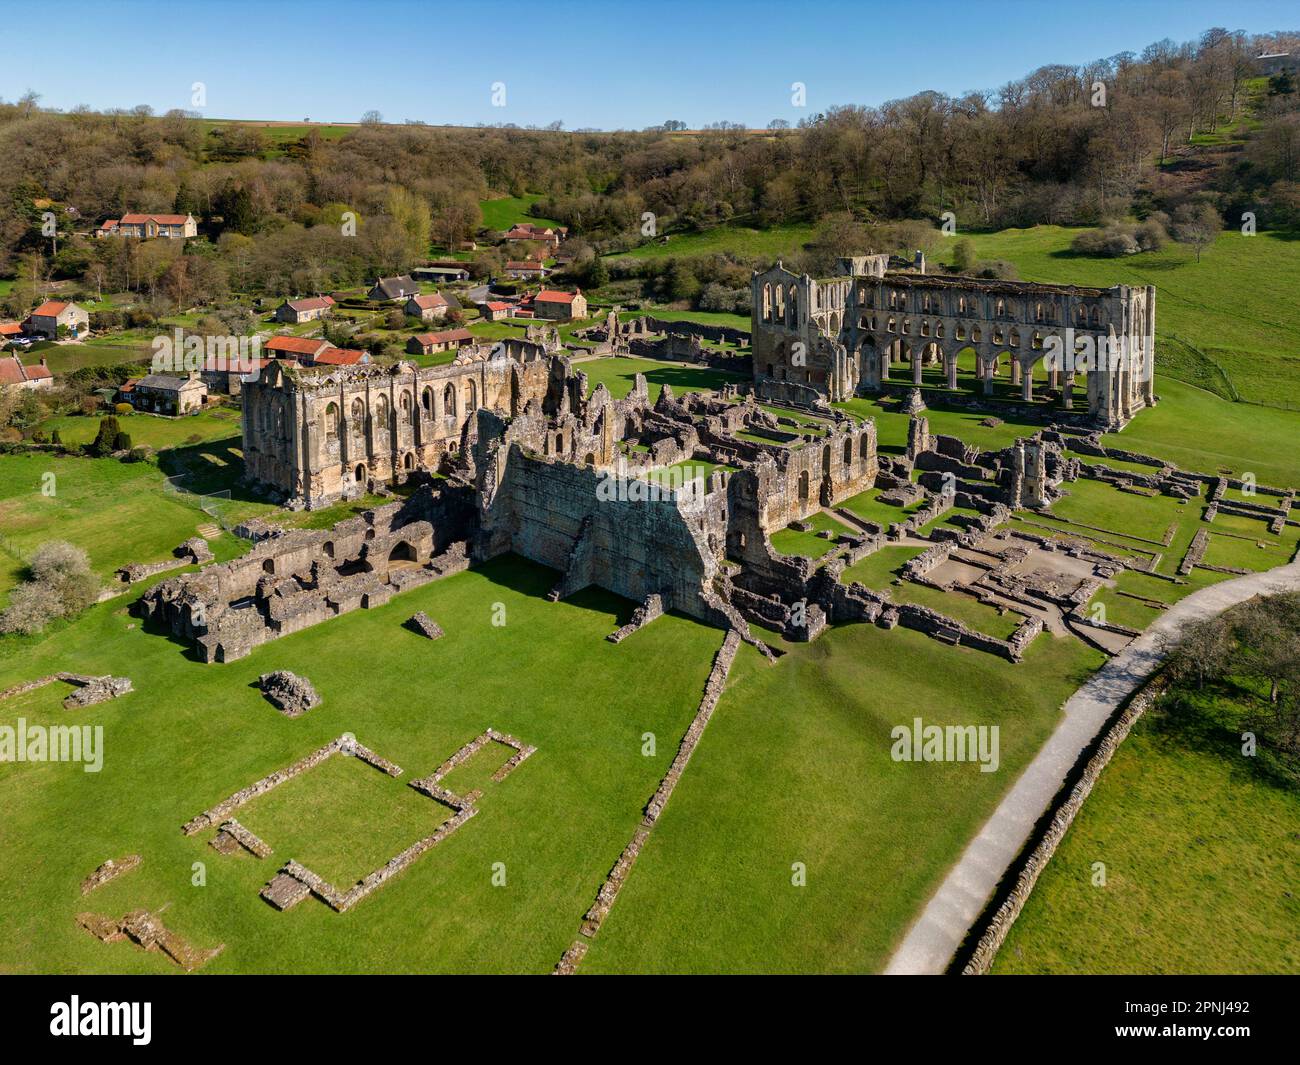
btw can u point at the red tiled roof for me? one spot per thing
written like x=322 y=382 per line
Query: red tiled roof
x=311 y=303
x=550 y=296
x=109 y=223
x=444 y=336
x=497 y=305
x=523 y=265
x=10 y=329
x=50 y=309
x=340 y=357
x=161 y=219
x=298 y=345
x=426 y=303
x=11 y=371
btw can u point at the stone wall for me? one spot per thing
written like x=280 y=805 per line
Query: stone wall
x=990 y=933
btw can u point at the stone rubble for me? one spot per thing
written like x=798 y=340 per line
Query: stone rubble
x=291 y=694
x=148 y=932
x=424 y=625
x=110 y=870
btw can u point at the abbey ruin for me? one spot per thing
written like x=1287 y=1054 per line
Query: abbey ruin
x=833 y=338
x=508 y=450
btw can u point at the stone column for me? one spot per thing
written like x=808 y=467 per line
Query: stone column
x=1026 y=381
x=952 y=370
x=917 y=361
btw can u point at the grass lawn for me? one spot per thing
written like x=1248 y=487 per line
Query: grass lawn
x=115 y=510
x=618 y=373
x=191 y=734
x=790 y=541
x=151 y=430
x=687 y=470
x=867 y=506
x=504 y=212
x=963 y=608
x=668 y=314
x=1200 y=853
x=891 y=425
x=738 y=240
x=880 y=567
x=795 y=768
x=1199 y=431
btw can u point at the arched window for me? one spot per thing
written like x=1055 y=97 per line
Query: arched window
x=449 y=399
x=471 y=395
x=767 y=302
x=794 y=306
x=864 y=449
x=331 y=421
x=405 y=403
x=426 y=402
x=381 y=412
x=780 y=303
x=357 y=416
x=848 y=451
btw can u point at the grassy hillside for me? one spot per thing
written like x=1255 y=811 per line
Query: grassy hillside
x=504 y=212
x=1232 y=314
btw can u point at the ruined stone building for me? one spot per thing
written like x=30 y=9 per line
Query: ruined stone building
x=828 y=339
x=314 y=436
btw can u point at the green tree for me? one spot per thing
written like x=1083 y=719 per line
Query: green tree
x=107 y=436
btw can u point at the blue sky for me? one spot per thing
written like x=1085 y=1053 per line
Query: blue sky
x=611 y=64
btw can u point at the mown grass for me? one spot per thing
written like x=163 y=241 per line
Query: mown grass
x=733 y=239
x=618 y=375
x=1200 y=853
x=808 y=544
x=795 y=768
x=504 y=212
x=116 y=511
x=191 y=734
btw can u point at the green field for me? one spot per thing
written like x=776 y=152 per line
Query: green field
x=505 y=211
x=1200 y=854
x=116 y=511
x=618 y=374
x=191 y=734
x=808 y=544
x=795 y=767
x=734 y=239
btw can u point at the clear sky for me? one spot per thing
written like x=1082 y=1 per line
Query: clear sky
x=604 y=63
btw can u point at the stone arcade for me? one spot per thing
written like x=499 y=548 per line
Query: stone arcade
x=829 y=339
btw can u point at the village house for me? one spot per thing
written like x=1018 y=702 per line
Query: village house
x=393 y=289
x=428 y=308
x=8 y=331
x=108 y=228
x=521 y=270
x=494 y=310
x=301 y=348
x=295 y=312
x=14 y=375
x=430 y=343
x=559 y=306
x=158 y=393
x=49 y=317
x=526 y=231
x=145 y=226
